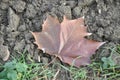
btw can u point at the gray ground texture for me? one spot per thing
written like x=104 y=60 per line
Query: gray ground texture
x=19 y=17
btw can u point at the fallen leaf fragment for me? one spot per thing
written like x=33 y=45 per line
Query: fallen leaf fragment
x=66 y=40
x=4 y=52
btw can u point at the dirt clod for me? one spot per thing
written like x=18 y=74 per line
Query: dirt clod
x=30 y=11
x=19 y=5
x=13 y=20
x=19 y=46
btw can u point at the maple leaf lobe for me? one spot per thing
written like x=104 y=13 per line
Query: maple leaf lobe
x=66 y=40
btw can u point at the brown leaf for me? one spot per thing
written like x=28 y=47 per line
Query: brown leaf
x=66 y=40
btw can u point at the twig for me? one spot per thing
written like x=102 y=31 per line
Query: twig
x=50 y=62
x=54 y=78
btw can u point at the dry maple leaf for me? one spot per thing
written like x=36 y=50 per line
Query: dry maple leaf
x=66 y=40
